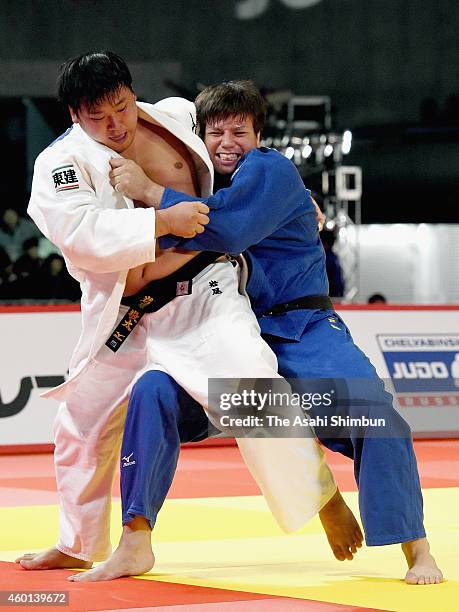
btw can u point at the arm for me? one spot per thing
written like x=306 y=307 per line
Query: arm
x=266 y=193
x=90 y=233
x=96 y=235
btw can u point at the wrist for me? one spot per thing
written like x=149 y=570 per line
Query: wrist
x=153 y=194
x=162 y=223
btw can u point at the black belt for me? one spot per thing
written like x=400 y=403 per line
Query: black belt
x=308 y=302
x=157 y=294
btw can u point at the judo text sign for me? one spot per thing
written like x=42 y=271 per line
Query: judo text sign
x=424 y=369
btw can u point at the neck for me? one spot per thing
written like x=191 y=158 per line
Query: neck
x=131 y=151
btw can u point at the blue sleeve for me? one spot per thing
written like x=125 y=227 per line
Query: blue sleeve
x=266 y=192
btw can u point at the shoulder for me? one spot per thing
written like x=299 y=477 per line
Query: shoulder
x=58 y=147
x=177 y=109
x=270 y=162
x=264 y=156
x=73 y=146
x=64 y=169
x=63 y=139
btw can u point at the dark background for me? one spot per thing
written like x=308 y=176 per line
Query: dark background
x=390 y=66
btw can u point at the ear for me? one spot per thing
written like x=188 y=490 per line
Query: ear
x=258 y=139
x=73 y=115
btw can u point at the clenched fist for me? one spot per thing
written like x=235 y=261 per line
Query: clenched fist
x=185 y=219
x=128 y=178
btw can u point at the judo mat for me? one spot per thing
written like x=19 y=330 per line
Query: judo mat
x=218 y=548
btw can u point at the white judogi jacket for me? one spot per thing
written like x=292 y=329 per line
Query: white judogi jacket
x=99 y=232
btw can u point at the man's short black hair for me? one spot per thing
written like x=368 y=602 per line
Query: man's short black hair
x=92 y=77
x=231 y=98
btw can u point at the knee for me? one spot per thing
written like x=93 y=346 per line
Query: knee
x=397 y=425
x=153 y=392
x=155 y=384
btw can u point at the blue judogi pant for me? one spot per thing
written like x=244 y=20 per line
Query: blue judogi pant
x=161 y=415
x=385 y=468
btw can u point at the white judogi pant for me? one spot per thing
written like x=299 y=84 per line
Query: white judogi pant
x=208 y=334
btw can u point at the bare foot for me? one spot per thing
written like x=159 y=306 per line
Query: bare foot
x=343 y=531
x=51 y=559
x=421 y=564
x=133 y=556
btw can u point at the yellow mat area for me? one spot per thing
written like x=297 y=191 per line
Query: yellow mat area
x=233 y=543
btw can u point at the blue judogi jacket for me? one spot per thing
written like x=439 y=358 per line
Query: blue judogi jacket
x=268 y=215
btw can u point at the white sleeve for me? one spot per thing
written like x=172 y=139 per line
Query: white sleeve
x=66 y=209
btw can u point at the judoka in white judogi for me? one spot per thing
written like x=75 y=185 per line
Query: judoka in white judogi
x=193 y=338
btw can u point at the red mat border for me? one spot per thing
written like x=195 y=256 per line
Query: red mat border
x=135 y=593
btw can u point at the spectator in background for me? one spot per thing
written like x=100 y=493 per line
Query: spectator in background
x=29 y=262
x=377 y=298
x=22 y=280
x=13 y=231
x=30 y=278
x=334 y=272
x=5 y=270
x=55 y=283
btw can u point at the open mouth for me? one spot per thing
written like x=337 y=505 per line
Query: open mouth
x=228 y=157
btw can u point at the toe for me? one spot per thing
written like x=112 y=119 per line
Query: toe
x=411 y=578
x=349 y=555
x=25 y=556
x=339 y=553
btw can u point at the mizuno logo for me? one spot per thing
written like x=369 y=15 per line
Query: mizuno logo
x=127 y=460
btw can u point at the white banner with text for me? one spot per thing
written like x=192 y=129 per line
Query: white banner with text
x=417 y=349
